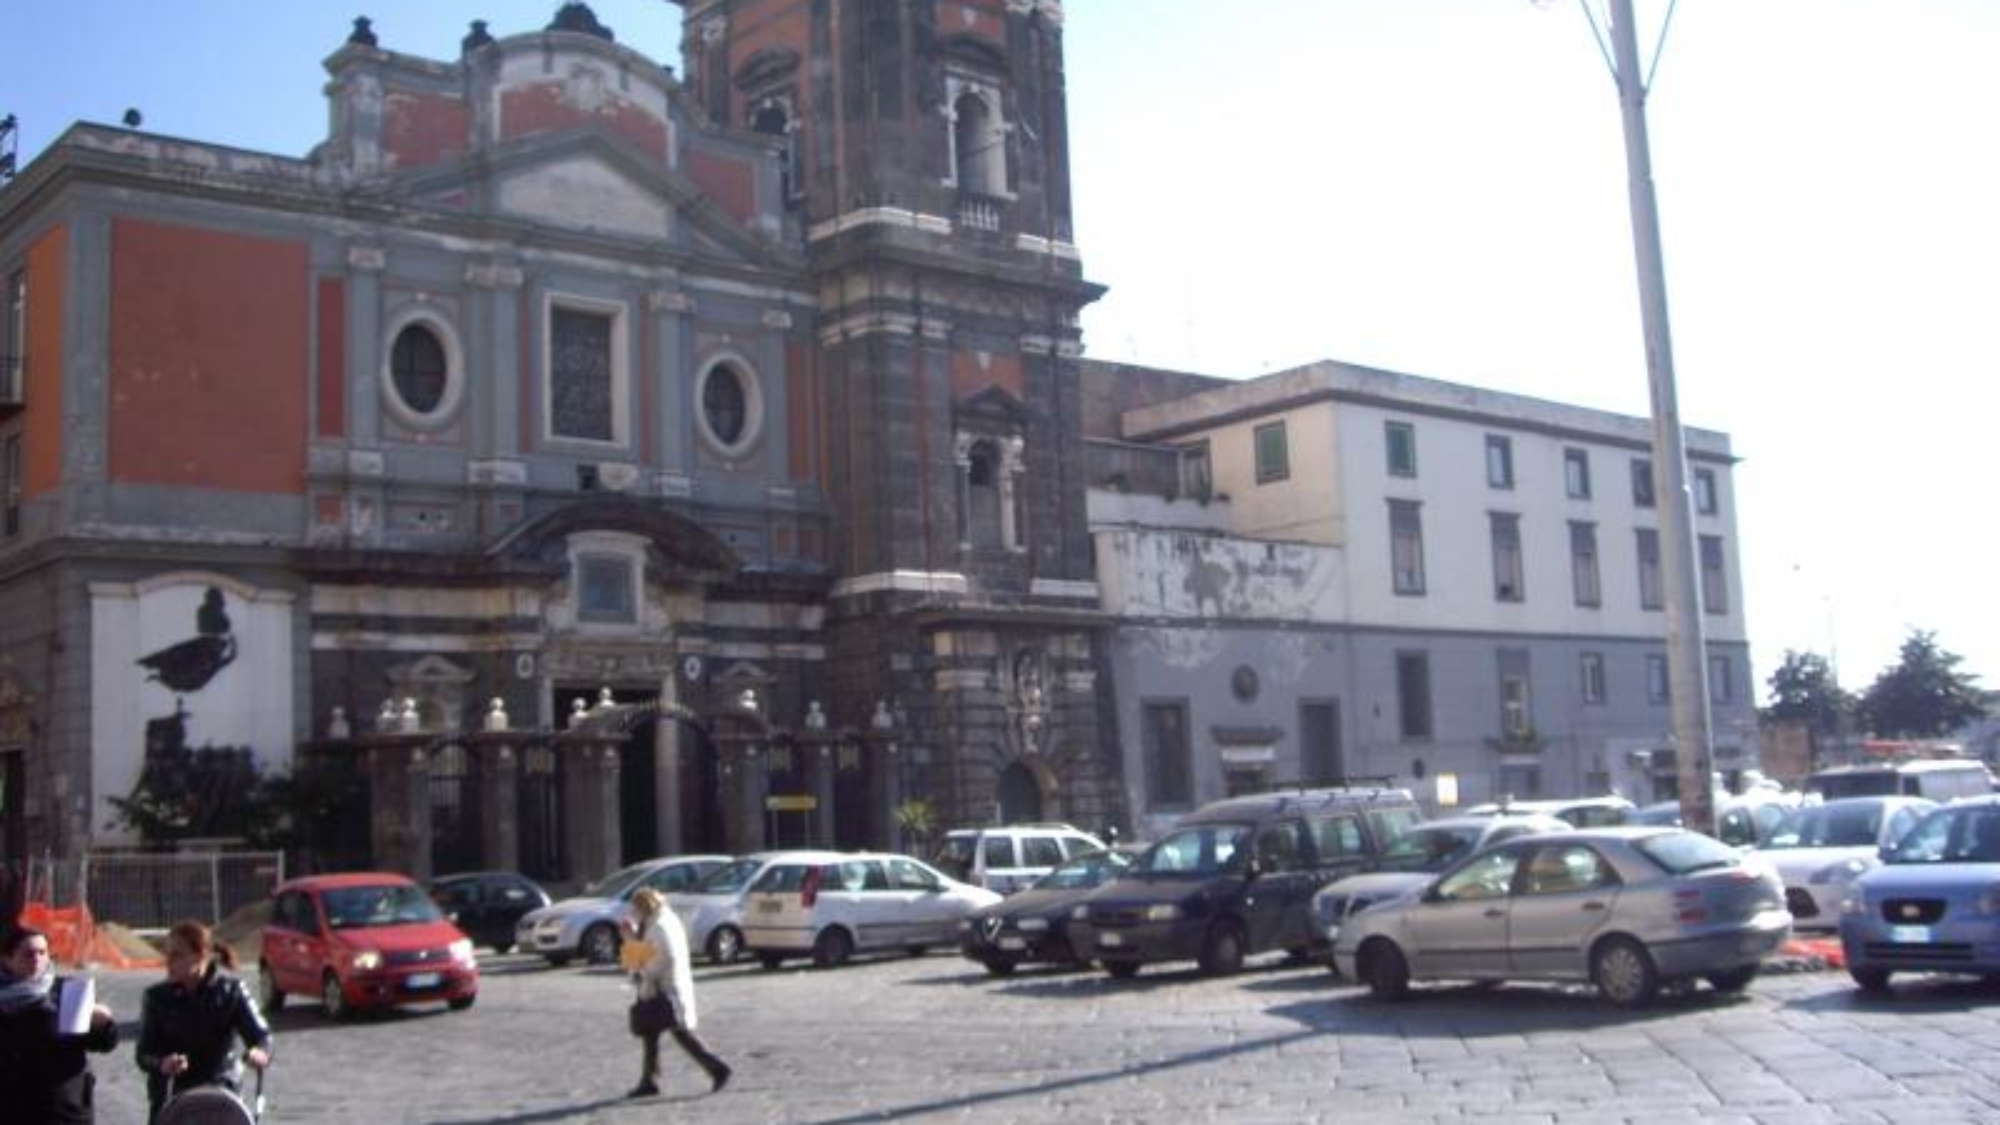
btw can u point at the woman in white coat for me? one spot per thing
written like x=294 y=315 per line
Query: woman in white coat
x=666 y=972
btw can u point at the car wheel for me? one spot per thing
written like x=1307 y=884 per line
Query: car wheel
x=833 y=948
x=1870 y=980
x=1123 y=970
x=270 y=997
x=999 y=966
x=725 y=945
x=1385 y=971
x=1623 y=971
x=1733 y=980
x=332 y=999
x=503 y=947
x=600 y=944
x=1222 y=950
x=461 y=1003
x=770 y=960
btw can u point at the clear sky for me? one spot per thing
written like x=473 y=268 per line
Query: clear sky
x=1436 y=187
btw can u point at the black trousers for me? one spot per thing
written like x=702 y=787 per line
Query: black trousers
x=649 y=1060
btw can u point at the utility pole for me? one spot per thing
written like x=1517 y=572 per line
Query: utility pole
x=1687 y=663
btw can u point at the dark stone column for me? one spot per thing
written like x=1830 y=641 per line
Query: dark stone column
x=399 y=828
x=818 y=754
x=499 y=771
x=590 y=805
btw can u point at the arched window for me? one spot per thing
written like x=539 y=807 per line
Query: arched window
x=982 y=495
x=978 y=145
x=774 y=118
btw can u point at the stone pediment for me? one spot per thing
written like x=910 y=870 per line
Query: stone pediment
x=585 y=192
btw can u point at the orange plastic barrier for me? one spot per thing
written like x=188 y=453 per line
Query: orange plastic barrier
x=1826 y=951
x=74 y=938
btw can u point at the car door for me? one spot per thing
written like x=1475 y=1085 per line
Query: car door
x=861 y=899
x=286 y=943
x=1459 y=927
x=1562 y=900
x=930 y=916
x=1339 y=846
x=1280 y=885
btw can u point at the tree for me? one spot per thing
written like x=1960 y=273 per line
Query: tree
x=1804 y=690
x=1923 y=695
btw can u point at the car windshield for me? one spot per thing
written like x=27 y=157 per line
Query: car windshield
x=729 y=878
x=1431 y=848
x=954 y=857
x=1086 y=870
x=1682 y=852
x=618 y=882
x=1391 y=825
x=1961 y=835
x=1207 y=849
x=1829 y=826
x=355 y=908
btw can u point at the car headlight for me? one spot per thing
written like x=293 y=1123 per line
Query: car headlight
x=1163 y=912
x=366 y=960
x=1854 y=903
x=1843 y=872
x=1079 y=914
x=1032 y=925
x=460 y=950
x=965 y=925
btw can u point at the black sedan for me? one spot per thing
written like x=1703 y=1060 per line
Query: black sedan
x=1032 y=924
x=487 y=904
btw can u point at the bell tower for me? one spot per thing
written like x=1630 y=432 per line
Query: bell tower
x=927 y=161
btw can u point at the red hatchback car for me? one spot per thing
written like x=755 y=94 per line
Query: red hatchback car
x=368 y=940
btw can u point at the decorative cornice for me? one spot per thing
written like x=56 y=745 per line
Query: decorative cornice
x=907 y=581
x=882 y=216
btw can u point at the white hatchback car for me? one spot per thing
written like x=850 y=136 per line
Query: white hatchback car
x=1820 y=850
x=712 y=910
x=831 y=905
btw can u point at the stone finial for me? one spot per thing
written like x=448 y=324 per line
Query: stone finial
x=363 y=34
x=476 y=38
x=496 y=715
x=337 y=725
x=576 y=711
x=385 y=719
x=579 y=18
x=409 y=721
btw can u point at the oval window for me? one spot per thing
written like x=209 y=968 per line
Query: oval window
x=421 y=372
x=725 y=404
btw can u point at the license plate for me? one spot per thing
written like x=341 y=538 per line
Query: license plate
x=1911 y=934
x=1110 y=940
x=1012 y=943
x=769 y=907
x=423 y=980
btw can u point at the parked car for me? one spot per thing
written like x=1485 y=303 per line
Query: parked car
x=1414 y=860
x=1582 y=812
x=588 y=925
x=830 y=905
x=488 y=905
x=365 y=940
x=1741 y=820
x=1933 y=906
x=712 y=910
x=1009 y=857
x=1236 y=878
x=1623 y=908
x=1940 y=779
x=1819 y=850
x=1033 y=924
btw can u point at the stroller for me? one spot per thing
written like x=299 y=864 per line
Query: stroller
x=212 y=1105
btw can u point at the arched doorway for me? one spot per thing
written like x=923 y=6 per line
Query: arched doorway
x=1020 y=795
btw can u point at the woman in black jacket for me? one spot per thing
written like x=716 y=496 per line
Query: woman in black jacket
x=45 y=1076
x=190 y=1023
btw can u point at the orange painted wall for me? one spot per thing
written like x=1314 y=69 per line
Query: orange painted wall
x=42 y=378
x=420 y=129
x=541 y=109
x=729 y=182
x=209 y=356
x=969 y=377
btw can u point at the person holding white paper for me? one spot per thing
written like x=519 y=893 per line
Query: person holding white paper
x=45 y=1074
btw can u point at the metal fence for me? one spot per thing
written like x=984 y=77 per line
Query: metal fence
x=154 y=890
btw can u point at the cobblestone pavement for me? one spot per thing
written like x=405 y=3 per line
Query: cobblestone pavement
x=934 y=1039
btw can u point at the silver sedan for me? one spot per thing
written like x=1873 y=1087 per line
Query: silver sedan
x=1623 y=908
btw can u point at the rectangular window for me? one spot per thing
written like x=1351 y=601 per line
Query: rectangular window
x=1319 y=743
x=604 y=592
x=1402 y=443
x=1583 y=574
x=1406 y=546
x=1413 y=695
x=1169 y=772
x=1273 y=458
x=1592 y=669
x=1652 y=595
x=10 y=484
x=1657 y=684
x=1509 y=581
x=583 y=378
x=1499 y=461
x=1576 y=473
x=1721 y=685
x=1517 y=712
x=1642 y=482
x=1704 y=492
x=1197 y=477
x=1714 y=581
x=14 y=345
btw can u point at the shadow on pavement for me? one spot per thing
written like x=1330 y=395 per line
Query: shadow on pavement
x=1473 y=1011
x=1914 y=994
x=566 y=1112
